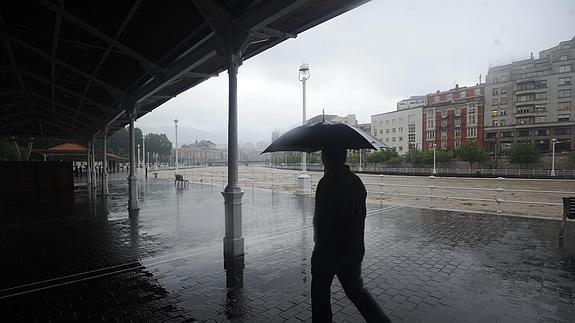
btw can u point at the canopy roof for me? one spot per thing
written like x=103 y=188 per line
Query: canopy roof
x=70 y=68
x=73 y=151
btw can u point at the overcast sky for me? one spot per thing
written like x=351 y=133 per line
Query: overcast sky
x=366 y=60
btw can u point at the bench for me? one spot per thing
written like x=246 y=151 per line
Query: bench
x=568 y=212
x=180 y=180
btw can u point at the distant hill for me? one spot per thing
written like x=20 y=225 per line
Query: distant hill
x=187 y=135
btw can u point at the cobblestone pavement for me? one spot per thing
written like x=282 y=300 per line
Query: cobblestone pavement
x=93 y=263
x=452 y=193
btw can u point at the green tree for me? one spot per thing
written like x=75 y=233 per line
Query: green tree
x=8 y=151
x=414 y=156
x=158 y=144
x=119 y=141
x=440 y=156
x=471 y=153
x=382 y=156
x=522 y=154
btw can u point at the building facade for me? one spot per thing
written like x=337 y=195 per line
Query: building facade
x=199 y=153
x=453 y=117
x=532 y=101
x=412 y=102
x=399 y=129
x=349 y=120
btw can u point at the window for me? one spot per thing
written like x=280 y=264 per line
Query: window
x=502 y=112
x=471 y=109
x=564 y=106
x=563 y=57
x=449 y=96
x=462 y=95
x=563 y=117
x=523 y=133
x=458 y=122
x=524 y=86
x=495 y=91
x=386 y=130
x=565 y=80
x=393 y=139
x=494 y=123
x=400 y=148
x=411 y=128
x=436 y=98
x=541 y=84
x=503 y=78
x=507 y=134
x=393 y=130
x=495 y=102
x=444 y=144
x=471 y=119
x=562 y=131
x=477 y=92
x=400 y=138
x=541 y=96
x=494 y=113
x=443 y=134
x=457 y=111
x=502 y=123
x=503 y=100
x=444 y=113
x=411 y=119
x=540 y=119
x=444 y=123
x=541 y=132
x=471 y=132
x=564 y=68
x=523 y=109
x=430 y=124
x=564 y=93
x=457 y=143
x=457 y=133
x=411 y=137
x=430 y=114
x=541 y=108
x=503 y=90
x=380 y=131
x=525 y=120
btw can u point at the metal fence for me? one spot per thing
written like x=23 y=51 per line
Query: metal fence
x=539 y=197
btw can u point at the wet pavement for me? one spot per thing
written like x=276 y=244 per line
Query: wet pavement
x=90 y=262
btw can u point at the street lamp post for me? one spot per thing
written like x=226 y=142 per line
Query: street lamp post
x=303 y=180
x=176 y=125
x=139 y=161
x=553 y=142
x=434 y=169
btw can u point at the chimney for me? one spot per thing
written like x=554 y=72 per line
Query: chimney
x=437 y=91
x=531 y=55
x=456 y=86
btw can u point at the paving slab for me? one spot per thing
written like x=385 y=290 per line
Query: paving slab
x=94 y=263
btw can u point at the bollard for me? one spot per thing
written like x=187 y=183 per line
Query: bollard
x=431 y=191
x=381 y=191
x=498 y=195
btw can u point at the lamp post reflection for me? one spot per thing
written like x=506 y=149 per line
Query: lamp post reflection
x=235 y=299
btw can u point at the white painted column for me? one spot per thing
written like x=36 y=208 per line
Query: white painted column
x=133 y=206
x=93 y=168
x=105 y=190
x=233 y=240
x=88 y=167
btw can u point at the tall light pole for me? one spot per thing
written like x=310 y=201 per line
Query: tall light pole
x=176 y=125
x=553 y=142
x=303 y=180
x=144 y=150
x=434 y=169
x=139 y=161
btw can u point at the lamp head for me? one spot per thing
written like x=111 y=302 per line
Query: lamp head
x=176 y=121
x=303 y=72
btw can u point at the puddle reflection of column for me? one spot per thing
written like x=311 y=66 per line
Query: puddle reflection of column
x=135 y=234
x=305 y=204
x=235 y=299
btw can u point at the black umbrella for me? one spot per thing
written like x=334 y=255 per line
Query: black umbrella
x=313 y=137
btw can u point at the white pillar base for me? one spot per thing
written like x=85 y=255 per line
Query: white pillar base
x=233 y=241
x=105 y=189
x=303 y=185
x=133 y=194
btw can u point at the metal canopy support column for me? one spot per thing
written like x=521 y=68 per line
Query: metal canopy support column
x=233 y=241
x=105 y=189
x=133 y=207
x=93 y=165
x=88 y=165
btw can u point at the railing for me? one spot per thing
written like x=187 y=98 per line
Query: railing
x=491 y=195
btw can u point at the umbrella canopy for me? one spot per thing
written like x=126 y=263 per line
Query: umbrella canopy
x=313 y=137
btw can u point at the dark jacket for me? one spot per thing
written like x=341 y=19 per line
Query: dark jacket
x=339 y=217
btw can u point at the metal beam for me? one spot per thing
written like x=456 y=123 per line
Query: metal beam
x=267 y=12
x=107 y=52
x=57 y=27
x=67 y=108
x=29 y=74
x=148 y=65
x=109 y=87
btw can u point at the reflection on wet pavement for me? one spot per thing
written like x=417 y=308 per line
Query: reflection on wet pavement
x=92 y=262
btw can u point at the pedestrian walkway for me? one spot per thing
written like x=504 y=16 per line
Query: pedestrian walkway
x=94 y=263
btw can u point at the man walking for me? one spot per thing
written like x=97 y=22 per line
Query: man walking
x=339 y=222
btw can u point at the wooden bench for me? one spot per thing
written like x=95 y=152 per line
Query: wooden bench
x=180 y=180
x=568 y=212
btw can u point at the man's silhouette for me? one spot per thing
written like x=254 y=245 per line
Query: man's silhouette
x=338 y=222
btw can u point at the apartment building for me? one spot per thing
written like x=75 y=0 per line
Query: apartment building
x=532 y=101
x=453 y=117
x=412 y=102
x=399 y=129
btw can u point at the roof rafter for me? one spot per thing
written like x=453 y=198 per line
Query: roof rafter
x=148 y=65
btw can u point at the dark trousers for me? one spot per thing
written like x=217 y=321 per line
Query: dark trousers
x=348 y=271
